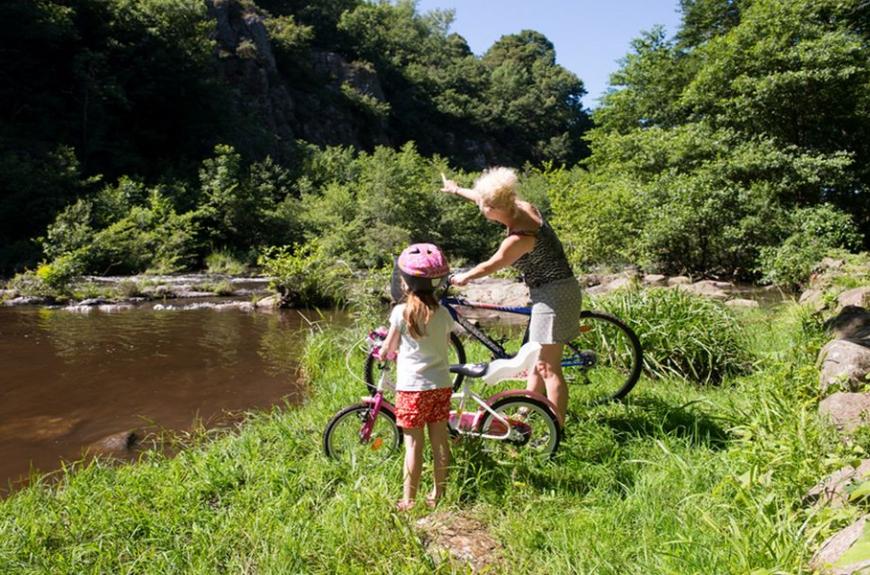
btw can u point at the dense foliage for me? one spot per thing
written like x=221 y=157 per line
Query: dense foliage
x=150 y=135
x=96 y=90
x=740 y=146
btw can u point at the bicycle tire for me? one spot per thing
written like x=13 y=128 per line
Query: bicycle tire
x=457 y=356
x=344 y=427
x=532 y=413
x=604 y=362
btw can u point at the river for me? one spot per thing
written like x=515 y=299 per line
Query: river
x=71 y=379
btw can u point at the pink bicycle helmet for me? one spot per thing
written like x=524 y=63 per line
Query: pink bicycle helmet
x=423 y=267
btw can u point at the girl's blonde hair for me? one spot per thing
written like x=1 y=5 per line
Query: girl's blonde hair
x=419 y=307
x=497 y=189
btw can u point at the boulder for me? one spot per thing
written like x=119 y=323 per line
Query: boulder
x=116 y=445
x=26 y=300
x=832 y=490
x=679 y=281
x=655 y=280
x=461 y=540
x=858 y=297
x=619 y=283
x=814 y=298
x=268 y=302
x=498 y=292
x=834 y=556
x=852 y=323
x=847 y=411
x=742 y=303
x=706 y=288
x=844 y=364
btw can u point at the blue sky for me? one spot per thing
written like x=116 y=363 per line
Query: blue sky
x=590 y=36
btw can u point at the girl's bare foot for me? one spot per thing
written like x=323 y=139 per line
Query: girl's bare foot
x=432 y=500
x=404 y=505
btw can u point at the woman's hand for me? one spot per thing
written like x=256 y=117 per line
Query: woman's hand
x=459 y=280
x=449 y=186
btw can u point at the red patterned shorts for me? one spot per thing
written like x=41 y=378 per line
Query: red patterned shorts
x=417 y=408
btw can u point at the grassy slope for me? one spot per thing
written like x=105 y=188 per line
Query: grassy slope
x=682 y=479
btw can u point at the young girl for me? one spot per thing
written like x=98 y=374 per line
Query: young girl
x=420 y=329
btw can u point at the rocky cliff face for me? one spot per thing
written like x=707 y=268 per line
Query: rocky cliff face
x=270 y=113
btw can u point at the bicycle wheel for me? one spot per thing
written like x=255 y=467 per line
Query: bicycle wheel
x=536 y=433
x=456 y=354
x=604 y=362
x=341 y=438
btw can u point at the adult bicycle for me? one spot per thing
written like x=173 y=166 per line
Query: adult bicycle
x=603 y=363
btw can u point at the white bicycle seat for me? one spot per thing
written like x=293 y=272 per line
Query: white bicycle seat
x=515 y=367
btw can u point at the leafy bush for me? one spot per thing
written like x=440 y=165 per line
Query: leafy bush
x=224 y=262
x=682 y=334
x=60 y=273
x=817 y=230
x=301 y=276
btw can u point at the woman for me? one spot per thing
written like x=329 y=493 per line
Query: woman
x=532 y=247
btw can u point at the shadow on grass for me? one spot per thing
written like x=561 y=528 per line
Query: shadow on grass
x=653 y=417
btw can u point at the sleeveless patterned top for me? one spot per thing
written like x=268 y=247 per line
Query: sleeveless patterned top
x=546 y=262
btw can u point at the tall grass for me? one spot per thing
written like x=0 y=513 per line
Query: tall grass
x=680 y=479
x=682 y=334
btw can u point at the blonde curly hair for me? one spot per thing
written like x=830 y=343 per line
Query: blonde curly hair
x=496 y=188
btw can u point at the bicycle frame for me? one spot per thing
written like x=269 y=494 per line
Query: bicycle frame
x=498 y=350
x=378 y=402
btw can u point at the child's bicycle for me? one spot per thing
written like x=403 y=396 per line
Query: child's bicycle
x=515 y=424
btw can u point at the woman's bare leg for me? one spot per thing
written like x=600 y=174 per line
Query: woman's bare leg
x=547 y=375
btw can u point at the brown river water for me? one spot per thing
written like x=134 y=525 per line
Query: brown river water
x=70 y=379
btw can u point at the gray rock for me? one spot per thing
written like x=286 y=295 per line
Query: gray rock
x=114 y=307
x=813 y=297
x=267 y=303
x=656 y=280
x=118 y=444
x=619 y=283
x=497 y=291
x=193 y=294
x=828 y=263
x=858 y=297
x=26 y=300
x=742 y=303
x=831 y=491
x=95 y=301
x=836 y=546
x=78 y=308
x=852 y=324
x=679 y=281
x=844 y=364
x=705 y=288
x=847 y=411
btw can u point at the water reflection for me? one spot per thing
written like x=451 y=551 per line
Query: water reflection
x=71 y=379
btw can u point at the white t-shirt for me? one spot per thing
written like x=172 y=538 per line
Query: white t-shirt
x=423 y=364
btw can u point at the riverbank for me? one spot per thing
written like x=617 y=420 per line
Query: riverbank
x=681 y=479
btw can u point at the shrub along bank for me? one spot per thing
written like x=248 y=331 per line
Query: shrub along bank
x=681 y=478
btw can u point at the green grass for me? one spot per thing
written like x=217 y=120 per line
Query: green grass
x=680 y=479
